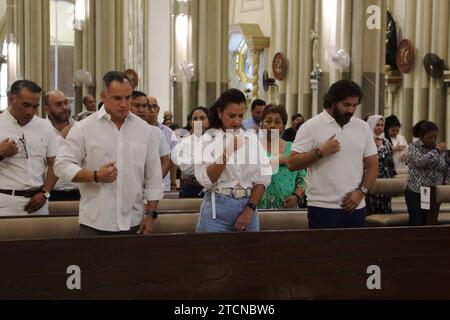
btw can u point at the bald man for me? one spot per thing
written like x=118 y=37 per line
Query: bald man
x=170 y=183
x=58 y=110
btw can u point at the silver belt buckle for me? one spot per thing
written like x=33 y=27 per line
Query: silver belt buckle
x=239 y=193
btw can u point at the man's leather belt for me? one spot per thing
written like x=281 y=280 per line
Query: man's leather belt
x=21 y=193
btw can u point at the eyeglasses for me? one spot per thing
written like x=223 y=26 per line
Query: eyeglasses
x=22 y=145
x=153 y=106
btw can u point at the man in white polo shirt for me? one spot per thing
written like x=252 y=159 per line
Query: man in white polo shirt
x=29 y=149
x=340 y=154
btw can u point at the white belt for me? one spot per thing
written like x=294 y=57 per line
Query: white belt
x=236 y=193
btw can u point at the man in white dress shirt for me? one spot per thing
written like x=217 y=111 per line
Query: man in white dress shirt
x=111 y=154
x=170 y=180
x=139 y=106
x=57 y=107
x=27 y=153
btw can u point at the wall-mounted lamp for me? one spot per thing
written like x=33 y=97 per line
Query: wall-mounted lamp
x=80 y=14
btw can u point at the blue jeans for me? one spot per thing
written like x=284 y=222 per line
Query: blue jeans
x=324 y=218
x=228 y=210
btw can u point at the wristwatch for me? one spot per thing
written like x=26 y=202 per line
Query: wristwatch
x=364 y=190
x=251 y=206
x=152 y=213
x=46 y=193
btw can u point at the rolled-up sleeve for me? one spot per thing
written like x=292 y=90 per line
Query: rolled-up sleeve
x=153 y=188
x=208 y=158
x=264 y=171
x=70 y=155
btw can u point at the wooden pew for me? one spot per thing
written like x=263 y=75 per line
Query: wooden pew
x=392 y=187
x=439 y=195
x=72 y=207
x=48 y=227
x=305 y=264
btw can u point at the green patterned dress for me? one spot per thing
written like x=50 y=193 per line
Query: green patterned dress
x=283 y=184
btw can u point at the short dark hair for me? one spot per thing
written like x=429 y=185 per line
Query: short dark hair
x=272 y=108
x=340 y=90
x=18 y=85
x=423 y=127
x=137 y=93
x=227 y=97
x=258 y=102
x=85 y=98
x=296 y=115
x=114 y=76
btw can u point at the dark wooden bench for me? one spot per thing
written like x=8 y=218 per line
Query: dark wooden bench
x=308 y=264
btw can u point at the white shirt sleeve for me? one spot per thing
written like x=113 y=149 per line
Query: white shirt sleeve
x=153 y=188
x=208 y=158
x=70 y=155
x=163 y=145
x=53 y=145
x=264 y=171
x=304 y=140
x=371 y=147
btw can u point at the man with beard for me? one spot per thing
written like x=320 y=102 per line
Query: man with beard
x=58 y=111
x=340 y=154
x=296 y=121
x=27 y=153
x=254 y=122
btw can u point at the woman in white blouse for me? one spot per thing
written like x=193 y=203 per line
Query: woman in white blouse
x=399 y=144
x=234 y=169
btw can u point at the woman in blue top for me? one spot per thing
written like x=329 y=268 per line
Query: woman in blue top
x=286 y=189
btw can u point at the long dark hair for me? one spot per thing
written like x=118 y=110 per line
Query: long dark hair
x=189 y=117
x=390 y=122
x=227 y=97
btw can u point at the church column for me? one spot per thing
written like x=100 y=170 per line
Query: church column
x=292 y=55
x=109 y=38
x=29 y=29
x=439 y=46
x=422 y=42
x=305 y=58
x=406 y=116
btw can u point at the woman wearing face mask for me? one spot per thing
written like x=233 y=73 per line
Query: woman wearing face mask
x=386 y=168
x=183 y=154
x=428 y=165
x=234 y=170
x=286 y=189
x=399 y=144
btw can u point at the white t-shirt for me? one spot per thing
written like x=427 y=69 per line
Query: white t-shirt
x=332 y=177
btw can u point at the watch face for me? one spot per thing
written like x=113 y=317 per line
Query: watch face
x=47 y=195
